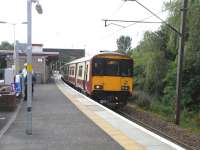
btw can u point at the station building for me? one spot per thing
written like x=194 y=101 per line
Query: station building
x=44 y=60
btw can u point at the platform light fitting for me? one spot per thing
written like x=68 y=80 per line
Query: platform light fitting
x=38 y=7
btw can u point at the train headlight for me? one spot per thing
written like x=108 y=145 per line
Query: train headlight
x=98 y=87
x=125 y=88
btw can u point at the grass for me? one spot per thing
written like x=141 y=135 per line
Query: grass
x=191 y=121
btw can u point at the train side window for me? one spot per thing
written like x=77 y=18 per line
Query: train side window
x=67 y=70
x=80 y=71
x=71 y=71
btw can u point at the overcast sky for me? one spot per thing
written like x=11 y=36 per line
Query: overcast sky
x=78 y=23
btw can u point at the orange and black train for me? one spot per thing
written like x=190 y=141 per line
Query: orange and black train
x=107 y=77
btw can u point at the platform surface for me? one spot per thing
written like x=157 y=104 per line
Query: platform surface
x=57 y=125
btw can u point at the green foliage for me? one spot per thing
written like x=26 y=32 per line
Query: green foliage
x=2 y=62
x=155 y=65
x=173 y=20
x=6 y=46
x=142 y=99
x=163 y=110
x=191 y=76
x=150 y=62
x=170 y=86
x=124 y=44
x=188 y=119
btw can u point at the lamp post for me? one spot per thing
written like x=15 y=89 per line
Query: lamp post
x=15 y=54
x=29 y=62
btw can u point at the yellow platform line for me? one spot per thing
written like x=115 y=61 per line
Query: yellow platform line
x=117 y=135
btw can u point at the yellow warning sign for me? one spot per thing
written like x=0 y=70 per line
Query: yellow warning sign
x=17 y=68
x=29 y=68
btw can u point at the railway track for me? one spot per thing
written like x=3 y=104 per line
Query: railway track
x=150 y=128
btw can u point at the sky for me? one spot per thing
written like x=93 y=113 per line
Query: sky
x=78 y=23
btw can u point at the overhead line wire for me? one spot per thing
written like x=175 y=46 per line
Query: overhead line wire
x=124 y=27
x=118 y=8
x=158 y=17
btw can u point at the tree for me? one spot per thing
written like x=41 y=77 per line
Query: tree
x=6 y=46
x=151 y=63
x=124 y=44
x=191 y=70
x=2 y=61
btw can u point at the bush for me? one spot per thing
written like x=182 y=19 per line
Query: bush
x=142 y=99
x=197 y=119
x=165 y=111
x=189 y=120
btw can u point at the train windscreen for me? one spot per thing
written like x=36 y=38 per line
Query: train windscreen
x=126 y=68
x=112 y=67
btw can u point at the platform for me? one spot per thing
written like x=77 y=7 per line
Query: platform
x=64 y=119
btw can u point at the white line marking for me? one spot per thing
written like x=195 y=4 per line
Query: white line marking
x=2 y=118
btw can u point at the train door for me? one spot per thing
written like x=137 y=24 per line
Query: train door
x=85 y=76
x=66 y=72
x=76 y=74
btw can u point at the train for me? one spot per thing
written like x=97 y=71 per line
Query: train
x=107 y=77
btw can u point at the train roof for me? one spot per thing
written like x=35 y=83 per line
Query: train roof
x=83 y=59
